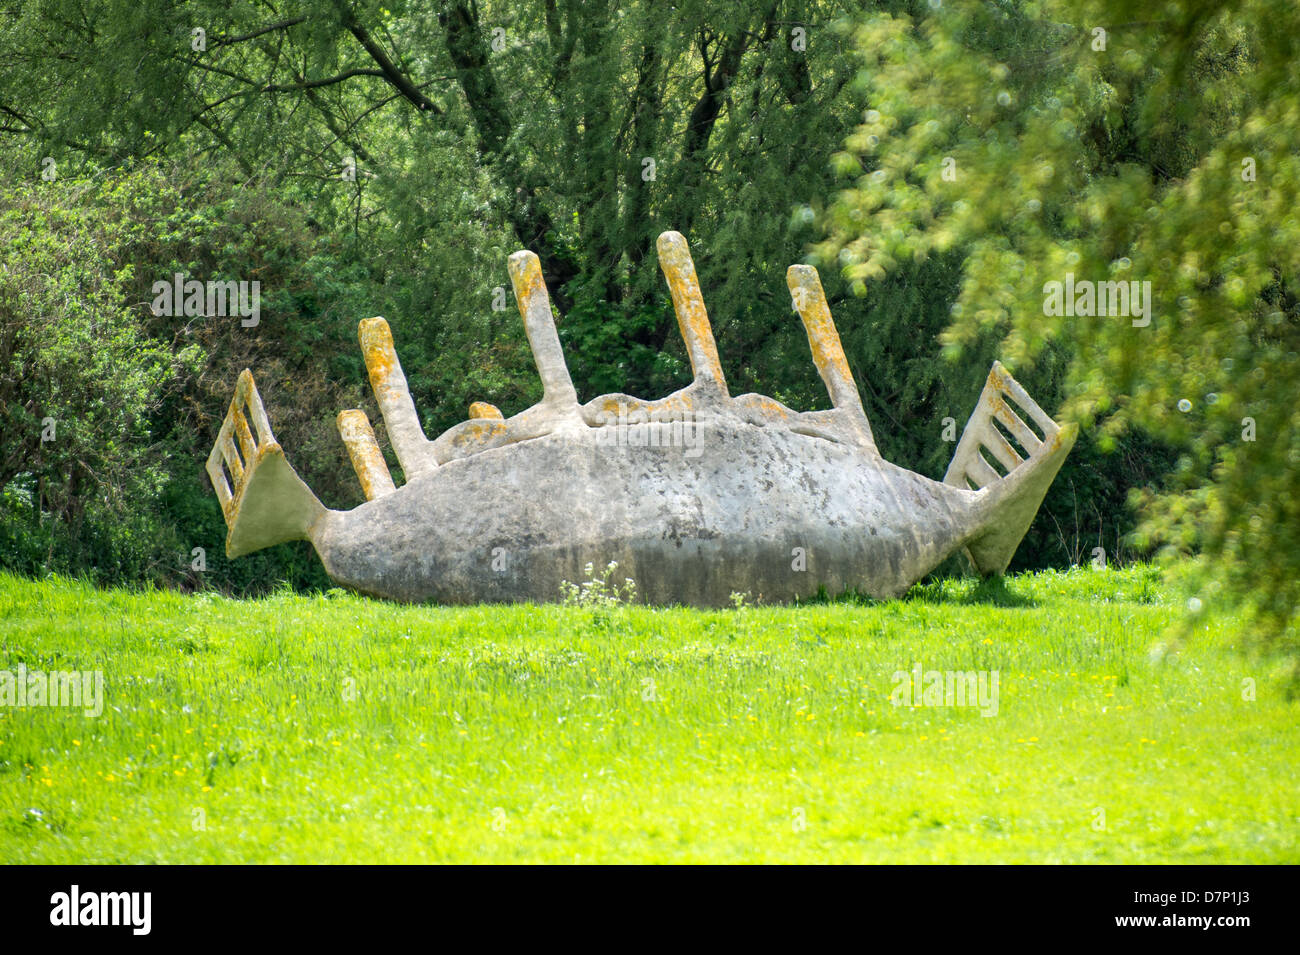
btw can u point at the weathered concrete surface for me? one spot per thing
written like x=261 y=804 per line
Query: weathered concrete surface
x=696 y=496
x=686 y=529
x=363 y=450
x=262 y=497
x=1008 y=511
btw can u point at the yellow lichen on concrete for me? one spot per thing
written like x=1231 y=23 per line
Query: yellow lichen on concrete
x=389 y=385
x=526 y=271
x=237 y=458
x=827 y=351
x=769 y=408
x=247 y=447
x=380 y=356
x=539 y=324
x=609 y=405
x=750 y=469
x=995 y=403
x=264 y=502
x=688 y=303
x=479 y=431
x=1005 y=386
x=367 y=460
x=233 y=462
x=612 y=409
x=1004 y=413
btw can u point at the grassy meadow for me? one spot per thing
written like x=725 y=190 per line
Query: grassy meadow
x=333 y=728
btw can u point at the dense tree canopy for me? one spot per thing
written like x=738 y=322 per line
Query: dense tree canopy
x=1106 y=142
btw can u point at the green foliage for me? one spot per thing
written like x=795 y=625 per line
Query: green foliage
x=135 y=398
x=1131 y=162
x=82 y=470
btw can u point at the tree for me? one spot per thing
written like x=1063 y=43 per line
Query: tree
x=1052 y=143
x=81 y=465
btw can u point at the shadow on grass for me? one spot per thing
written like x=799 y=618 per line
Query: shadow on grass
x=823 y=598
x=988 y=591
x=966 y=591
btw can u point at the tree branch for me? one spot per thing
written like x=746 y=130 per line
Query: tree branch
x=318 y=83
x=699 y=127
x=281 y=25
x=399 y=80
x=530 y=221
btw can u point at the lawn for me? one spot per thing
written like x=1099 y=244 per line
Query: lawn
x=333 y=728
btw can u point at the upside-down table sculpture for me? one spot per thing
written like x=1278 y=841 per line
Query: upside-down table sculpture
x=696 y=496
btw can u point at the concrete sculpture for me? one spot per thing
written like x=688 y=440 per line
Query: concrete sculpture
x=695 y=496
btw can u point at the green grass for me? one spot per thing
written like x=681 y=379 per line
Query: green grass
x=509 y=734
